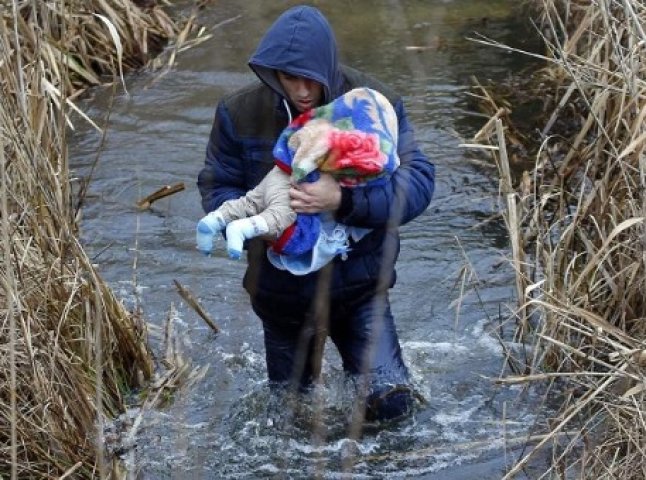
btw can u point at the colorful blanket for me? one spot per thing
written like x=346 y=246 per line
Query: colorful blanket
x=354 y=138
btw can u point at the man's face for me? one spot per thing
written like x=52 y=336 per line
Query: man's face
x=303 y=93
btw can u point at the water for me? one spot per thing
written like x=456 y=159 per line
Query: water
x=454 y=280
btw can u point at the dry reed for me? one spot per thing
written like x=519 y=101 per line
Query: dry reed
x=68 y=348
x=580 y=238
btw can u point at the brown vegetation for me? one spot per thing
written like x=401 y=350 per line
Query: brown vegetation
x=577 y=224
x=69 y=348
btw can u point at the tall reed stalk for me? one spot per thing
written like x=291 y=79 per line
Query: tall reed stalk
x=68 y=347
x=582 y=232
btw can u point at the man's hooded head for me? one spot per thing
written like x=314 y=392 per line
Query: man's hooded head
x=300 y=43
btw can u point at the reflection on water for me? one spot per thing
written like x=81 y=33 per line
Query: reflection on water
x=453 y=279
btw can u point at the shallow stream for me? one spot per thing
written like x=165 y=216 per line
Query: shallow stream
x=455 y=283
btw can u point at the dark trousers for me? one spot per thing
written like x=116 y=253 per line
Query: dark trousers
x=362 y=329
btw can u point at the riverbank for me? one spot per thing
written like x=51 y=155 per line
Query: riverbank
x=575 y=218
x=70 y=349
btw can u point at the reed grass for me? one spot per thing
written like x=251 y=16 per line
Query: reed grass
x=579 y=226
x=69 y=349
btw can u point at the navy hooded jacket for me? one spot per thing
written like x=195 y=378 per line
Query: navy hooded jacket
x=239 y=154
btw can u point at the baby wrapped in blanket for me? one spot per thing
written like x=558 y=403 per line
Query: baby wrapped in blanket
x=353 y=138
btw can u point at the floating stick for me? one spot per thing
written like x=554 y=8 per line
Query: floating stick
x=165 y=191
x=194 y=304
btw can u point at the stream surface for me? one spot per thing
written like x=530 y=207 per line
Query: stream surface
x=454 y=286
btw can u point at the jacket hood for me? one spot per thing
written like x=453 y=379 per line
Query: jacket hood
x=302 y=43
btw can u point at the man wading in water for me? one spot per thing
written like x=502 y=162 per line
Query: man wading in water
x=347 y=300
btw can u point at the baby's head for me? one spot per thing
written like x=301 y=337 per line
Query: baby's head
x=353 y=137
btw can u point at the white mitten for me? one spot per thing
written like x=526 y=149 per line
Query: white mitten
x=240 y=230
x=206 y=229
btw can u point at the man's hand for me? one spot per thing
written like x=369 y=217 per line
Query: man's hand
x=324 y=195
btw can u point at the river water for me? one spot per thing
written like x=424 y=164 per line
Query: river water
x=454 y=285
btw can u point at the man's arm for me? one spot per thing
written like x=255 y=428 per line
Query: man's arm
x=222 y=177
